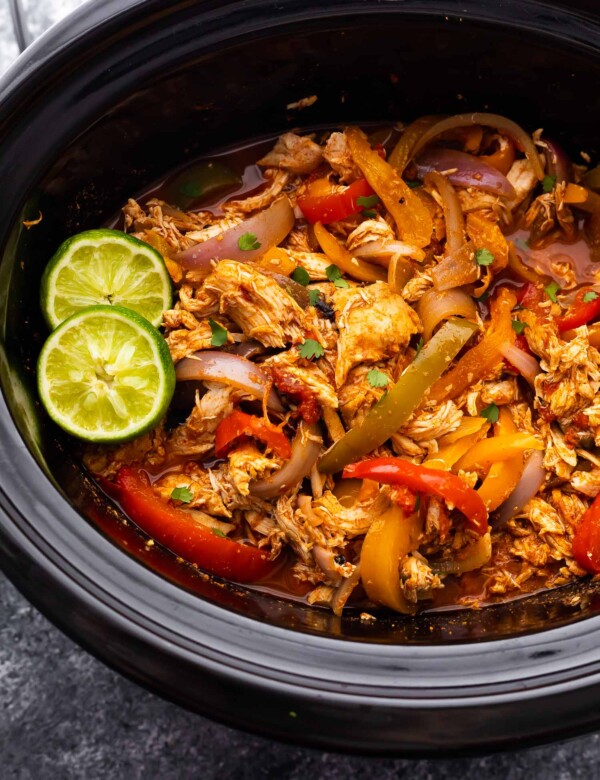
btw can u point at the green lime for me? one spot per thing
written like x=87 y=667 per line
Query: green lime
x=105 y=267
x=106 y=375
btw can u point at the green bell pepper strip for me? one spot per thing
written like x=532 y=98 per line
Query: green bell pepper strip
x=394 y=409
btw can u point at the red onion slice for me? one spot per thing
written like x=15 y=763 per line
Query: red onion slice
x=464 y=170
x=229 y=369
x=525 y=364
x=531 y=480
x=305 y=451
x=557 y=162
x=270 y=227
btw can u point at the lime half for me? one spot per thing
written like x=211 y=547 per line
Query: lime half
x=105 y=267
x=106 y=375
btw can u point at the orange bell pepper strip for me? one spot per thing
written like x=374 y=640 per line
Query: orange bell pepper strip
x=485 y=453
x=503 y=476
x=445 y=458
x=402 y=152
x=340 y=256
x=486 y=234
x=411 y=216
x=467 y=426
x=483 y=357
x=390 y=537
x=582 y=198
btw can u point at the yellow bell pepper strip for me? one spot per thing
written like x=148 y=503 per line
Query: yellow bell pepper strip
x=402 y=152
x=411 y=216
x=394 y=409
x=503 y=476
x=473 y=557
x=340 y=256
x=277 y=261
x=482 y=358
x=447 y=456
x=466 y=427
x=499 y=448
x=390 y=537
x=449 y=487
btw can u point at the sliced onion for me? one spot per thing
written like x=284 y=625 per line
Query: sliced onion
x=435 y=306
x=229 y=369
x=525 y=363
x=270 y=227
x=531 y=480
x=400 y=270
x=523 y=141
x=377 y=249
x=464 y=170
x=344 y=591
x=557 y=161
x=453 y=215
x=246 y=349
x=305 y=451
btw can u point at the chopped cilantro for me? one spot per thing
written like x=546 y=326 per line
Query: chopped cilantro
x=369 y=214
x=420 y=343
x=335 y=275
x=551 y=290
x=218 y=532
x=311 y=349
x=301 y=276
x=219 y=334
x=377 y=378
x=590 y=296
x=490 y=413
x=367 y=201
x=483 y=297
x=248 y=241
x=548 y=183
x=314 y=296
x=518 y=326
x=484 y=257
x=413 y=184
x=183 y=494
x=293 y=714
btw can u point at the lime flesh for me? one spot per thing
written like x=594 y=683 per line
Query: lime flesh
x=105 y=267
x=106 y=375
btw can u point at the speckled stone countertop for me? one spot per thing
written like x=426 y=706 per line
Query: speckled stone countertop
x=65 y=715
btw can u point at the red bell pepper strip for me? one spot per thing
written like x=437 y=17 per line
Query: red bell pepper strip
x=338 y=205
x=580 y=312
x=177 y=530
x=586 y=541
x=239 y=424
x=448 y=487
x=530 y=296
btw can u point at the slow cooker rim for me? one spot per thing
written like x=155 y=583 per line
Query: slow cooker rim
x=13 y=454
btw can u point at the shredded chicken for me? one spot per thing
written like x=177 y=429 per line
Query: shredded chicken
x=294 y=153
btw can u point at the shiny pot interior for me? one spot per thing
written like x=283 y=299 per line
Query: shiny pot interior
x=138 y=92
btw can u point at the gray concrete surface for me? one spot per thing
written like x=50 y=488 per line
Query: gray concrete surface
x=64 y=715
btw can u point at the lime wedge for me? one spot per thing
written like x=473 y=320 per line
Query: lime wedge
x=105 y=267
x=106 y=375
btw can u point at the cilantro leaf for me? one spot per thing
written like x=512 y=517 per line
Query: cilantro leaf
x=311 y=349
x=590 y=296
x=248 y=241
x=484 y=257
x=420 y=343
x=301 y=276
x=377 y=378
x=490 y=413
x=335 y=275
x=183 y=494
x=518 y=326
x=369 y=214
x=218 y=532
x=483 y=297
x=219 y=334
x=548 y=183
x=551 y=290
x=413 y=184
x=314 y=296
x=367 y=201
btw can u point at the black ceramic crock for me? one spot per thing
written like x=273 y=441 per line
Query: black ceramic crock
x=106 y=103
